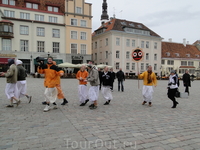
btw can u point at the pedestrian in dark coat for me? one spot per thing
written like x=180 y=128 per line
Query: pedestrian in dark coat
x=186 y=81
x=121 y=79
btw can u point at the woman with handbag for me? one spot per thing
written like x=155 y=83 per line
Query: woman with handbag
x=172 y=88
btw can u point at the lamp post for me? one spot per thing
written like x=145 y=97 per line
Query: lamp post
x=48 y=54
x=31 y=63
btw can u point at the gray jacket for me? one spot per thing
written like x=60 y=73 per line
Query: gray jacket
x=93 y=77
x=11 y=74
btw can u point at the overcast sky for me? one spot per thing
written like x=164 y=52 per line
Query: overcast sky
x=176 y=19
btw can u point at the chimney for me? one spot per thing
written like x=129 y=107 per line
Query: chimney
x=184 y=42
x=170 y=39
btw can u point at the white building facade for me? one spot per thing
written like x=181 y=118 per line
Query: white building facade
x=27 y=33
x=114 y=42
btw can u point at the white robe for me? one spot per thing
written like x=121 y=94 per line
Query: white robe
x=147 y=93
x=10 y=90
x=51 y=94
x=106 y=92
x=83 y=93
x=21 y=88
x=93 y=93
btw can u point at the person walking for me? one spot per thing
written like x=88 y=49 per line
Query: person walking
x=113 y=77
x=149 y=80
x=172 y=88
x=82 y=75
x=51 y=71
x=187 y=81
x=107 y=81
x=121 y=79
x=11 y=78
x=21 y=82
x=93 y=93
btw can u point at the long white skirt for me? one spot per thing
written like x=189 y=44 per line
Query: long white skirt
x=10 y=90
x=147 y=93
x=106 y=92
x=83 y=93
x=21 y=89
x=93 y=93
x=51 y=94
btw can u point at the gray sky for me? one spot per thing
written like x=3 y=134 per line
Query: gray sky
x=176 y=19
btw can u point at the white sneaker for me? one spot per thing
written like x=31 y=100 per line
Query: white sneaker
x=47 y=108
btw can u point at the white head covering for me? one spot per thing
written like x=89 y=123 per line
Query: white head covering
x=18 y=62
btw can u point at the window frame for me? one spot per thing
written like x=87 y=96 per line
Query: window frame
x=24 y=46
x=25 y=27
x=39 y=47
x=56 y=48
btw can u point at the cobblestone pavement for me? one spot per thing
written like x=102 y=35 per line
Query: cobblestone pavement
x=125 y=124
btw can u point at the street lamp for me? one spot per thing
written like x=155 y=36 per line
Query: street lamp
x=48 y=54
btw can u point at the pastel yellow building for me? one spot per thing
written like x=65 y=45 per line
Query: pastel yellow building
x=78 y=20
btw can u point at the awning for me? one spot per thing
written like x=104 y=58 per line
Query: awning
x=4 y=60
x=187 y=67
x=58 y=61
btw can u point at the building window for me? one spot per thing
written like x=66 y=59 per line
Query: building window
x=83 y=48
x=147 y=56
x=6 y=44
x=127 y=55
x=74 y=22
x=6 y=28
x=147 y=65
x=74 y=48
x=128 y=42
x=190 y=63
x=155 y=66
x=40 y=46
x=95 y=45
x=39 y=17
x=100 y=43
x=155 y=45
x=56 y=33
x=56 y=47
x=53 y=9
x=100 y=55
x=106 y=54
x=118 y=41
x=147 y=44
x=8 y=13
x=53 y=19
x=183 y=63
x=40 y=31
x=78 y=10
x=31 y=5
x=133 y=43
x=83 y=23
x=24 y=45
x=8 y=2
x=95 y=56
x=142 y=66
x=170 y=69
x=155 y=56
x=106 y=41
x=24 y=30
x=142 y=44
x=117 y=54
x=73 y=34
x=133 y=66
x=170 y=62
x=127 y=66
x=24 y=15
x=162 y=62
x=117 y=65
x=83 y=35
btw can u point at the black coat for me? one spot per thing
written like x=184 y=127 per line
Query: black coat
x=120 y=75
x=186 y=80
x=113 y=75
x=107 y=79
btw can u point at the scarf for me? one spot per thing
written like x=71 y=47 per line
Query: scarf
x=149 y=79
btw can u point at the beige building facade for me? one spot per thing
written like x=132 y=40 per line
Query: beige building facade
x=78 y=20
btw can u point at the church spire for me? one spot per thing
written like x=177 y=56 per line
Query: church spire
x=104 y=16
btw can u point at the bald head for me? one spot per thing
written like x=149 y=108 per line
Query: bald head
x=149 y=68
x=83 y=68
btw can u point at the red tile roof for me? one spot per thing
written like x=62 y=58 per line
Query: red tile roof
x=117 y=24
x=178 y=50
